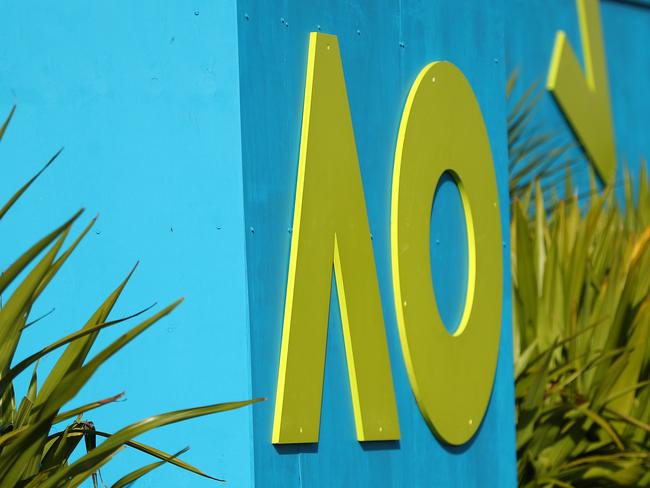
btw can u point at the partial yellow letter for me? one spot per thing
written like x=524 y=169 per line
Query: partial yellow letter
x=331 y=229
x=442 y=130
x=584 y=99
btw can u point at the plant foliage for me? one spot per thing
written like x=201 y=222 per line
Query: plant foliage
x=581 y=275
x=39 y=434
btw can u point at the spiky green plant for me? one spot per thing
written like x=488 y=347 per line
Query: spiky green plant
x=39 y=435
x=581 y=275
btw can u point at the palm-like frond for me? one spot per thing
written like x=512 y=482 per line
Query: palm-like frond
x=582 y=328
x=33 y=452
x=535 y=153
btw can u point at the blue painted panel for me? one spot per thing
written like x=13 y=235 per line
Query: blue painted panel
x=144 y=97
x=383 y=47
x=530 y=33
x=448 y=251
x=637 y=3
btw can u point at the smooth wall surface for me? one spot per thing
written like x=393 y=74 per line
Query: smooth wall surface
x=144 y=97
x=383 y=47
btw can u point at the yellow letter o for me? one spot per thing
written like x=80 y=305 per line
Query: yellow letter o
x=442 y=130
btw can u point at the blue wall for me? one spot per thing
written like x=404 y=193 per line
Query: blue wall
x=144 y=97
x=383 y=47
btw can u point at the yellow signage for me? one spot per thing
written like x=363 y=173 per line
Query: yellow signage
x=331 y=227
x=442 y=130
x=584 y=99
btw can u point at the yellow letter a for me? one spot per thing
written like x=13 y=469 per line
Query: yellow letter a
x=331 y=226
